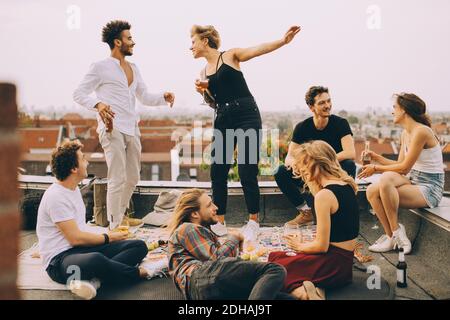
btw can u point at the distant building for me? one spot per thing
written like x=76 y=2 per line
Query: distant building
x=40 y=140
x=158 y=138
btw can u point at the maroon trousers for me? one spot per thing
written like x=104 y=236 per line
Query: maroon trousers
x=328 y=270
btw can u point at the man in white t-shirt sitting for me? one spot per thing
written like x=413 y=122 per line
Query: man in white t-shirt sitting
x=70 y=254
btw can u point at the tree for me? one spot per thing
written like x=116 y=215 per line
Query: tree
x=24 y=120
x=284 y=125
x=343 y=114
x=353 y=119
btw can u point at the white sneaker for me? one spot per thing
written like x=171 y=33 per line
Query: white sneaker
x=383 y=244
x=401 y=240
x=156 y=268
x=250 y=231
x=86 y=290
x=219 y=229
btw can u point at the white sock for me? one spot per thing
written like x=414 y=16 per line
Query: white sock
x=96 y=283
x=303 y=206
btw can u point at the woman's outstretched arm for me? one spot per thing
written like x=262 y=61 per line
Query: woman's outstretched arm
x=245 y=54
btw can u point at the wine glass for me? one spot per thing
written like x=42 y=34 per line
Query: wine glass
x=291 y=230
x=308 y=233
x=203 y=84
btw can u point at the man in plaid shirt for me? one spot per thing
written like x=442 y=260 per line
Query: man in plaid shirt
x=203 y=268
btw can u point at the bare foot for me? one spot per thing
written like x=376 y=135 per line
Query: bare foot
x=311 y=291
x=321 y=293
x=300 y=293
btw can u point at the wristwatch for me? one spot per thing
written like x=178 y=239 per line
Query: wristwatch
x=106 y=238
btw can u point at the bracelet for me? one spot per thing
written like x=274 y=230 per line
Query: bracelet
x=106 y=238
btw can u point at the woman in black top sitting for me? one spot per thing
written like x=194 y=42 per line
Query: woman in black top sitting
x=237 y=119
x=327 y=261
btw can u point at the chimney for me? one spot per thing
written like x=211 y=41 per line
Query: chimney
x=9 y=192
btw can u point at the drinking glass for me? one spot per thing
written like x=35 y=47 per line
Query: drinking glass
x=291 y=230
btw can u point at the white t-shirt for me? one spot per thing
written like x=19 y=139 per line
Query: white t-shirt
x=58 y=204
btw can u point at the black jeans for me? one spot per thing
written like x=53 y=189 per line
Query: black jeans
x=236 y=123
x=110 y=263
x=236 y=279
x=292 y=187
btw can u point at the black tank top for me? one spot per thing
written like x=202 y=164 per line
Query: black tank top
x=345 y=221
x=227 y=84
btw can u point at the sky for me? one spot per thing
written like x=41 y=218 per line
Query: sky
x=364 y=51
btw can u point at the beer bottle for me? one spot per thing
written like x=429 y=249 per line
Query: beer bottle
x=366 y=157
x=401 y=270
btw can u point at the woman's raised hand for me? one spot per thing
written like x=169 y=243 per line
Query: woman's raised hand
x=291 y=33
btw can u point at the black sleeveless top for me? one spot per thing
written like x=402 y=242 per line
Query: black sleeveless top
x=345 y=221
x=227 y=84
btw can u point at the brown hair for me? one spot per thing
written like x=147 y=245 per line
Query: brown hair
x=313 y=92
x=186 y=205
x=65 y=158
x=414 y=107
x=207 y=32
x=320 y=158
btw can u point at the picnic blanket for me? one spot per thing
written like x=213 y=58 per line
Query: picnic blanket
x=32 y=276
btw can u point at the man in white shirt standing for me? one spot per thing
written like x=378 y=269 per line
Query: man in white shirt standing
x=117 y=83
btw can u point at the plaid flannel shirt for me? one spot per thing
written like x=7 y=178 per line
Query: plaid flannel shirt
x=191 y=245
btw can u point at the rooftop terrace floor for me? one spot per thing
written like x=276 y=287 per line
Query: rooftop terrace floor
x=428 y=263
x=386 y=263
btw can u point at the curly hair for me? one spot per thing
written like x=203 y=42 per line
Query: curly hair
x=65 y=158
x=314 y=92
x=113 y=30
x=208 y=32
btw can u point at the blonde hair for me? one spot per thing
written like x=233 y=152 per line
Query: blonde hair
x=207 y=32
x=188 y=203
x=319 y=159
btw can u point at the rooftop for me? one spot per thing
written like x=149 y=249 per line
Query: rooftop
x=428 y=273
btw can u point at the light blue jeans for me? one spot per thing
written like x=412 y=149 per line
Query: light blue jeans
x=431 y=185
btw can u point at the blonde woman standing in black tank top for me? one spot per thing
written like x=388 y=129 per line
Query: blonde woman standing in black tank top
x=236 y=114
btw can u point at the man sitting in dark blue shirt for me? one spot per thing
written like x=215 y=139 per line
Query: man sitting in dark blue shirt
x=321 y=126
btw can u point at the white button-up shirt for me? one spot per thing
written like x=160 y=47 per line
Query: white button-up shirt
x=110 y=83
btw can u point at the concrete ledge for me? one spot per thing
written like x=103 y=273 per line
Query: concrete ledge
x=440 y=216
x=155 y=187
x=428 y=261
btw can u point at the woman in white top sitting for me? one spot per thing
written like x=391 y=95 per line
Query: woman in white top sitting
x=415 y=180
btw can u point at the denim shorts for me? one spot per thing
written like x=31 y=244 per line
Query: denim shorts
x=430 y=184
